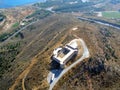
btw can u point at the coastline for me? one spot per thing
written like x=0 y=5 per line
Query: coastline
x=22 y=5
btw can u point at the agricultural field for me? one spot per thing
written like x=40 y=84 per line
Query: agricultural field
x=111 y=14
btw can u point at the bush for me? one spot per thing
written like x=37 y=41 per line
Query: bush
x=7 y=56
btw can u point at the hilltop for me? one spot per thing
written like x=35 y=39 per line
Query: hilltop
x=30 y=64
x=25 y=58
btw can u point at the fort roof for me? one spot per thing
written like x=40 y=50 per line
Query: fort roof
x=62 y=55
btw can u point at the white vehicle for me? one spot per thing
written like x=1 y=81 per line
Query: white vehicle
x=53 y=76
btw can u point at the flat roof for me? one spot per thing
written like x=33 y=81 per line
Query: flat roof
x=62 y=59
x=65 y=53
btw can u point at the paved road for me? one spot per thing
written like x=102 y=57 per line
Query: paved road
x=20 y=30
x=23 y=28
x=85 y=55
x=100 y=22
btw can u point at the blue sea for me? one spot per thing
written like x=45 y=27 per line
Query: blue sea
x=14 y=3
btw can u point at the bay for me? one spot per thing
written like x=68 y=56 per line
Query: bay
x=14 y=3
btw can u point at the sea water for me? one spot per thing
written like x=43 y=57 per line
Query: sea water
x=14 y=3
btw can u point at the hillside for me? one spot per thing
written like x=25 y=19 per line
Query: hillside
x=13 y=17
x=25 y=58
x=28 y=56
x=35 y=40
x=101 y=70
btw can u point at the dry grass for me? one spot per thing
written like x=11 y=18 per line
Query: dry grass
x=98 y=44
x=31 y=65
x=45 y=36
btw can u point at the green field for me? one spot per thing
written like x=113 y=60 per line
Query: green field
x=15 y=25
x=112 y=14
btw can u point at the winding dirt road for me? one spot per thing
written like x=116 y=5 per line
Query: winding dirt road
x=85 y=55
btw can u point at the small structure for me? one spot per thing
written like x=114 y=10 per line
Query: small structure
x=63 y=54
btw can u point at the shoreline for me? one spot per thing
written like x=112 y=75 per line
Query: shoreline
x=22 y=5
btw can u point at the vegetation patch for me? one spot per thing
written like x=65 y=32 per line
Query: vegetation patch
x=6 y=35
x=15 y=25
x=7 y=55
x=39 y=14
x=2 y=17
x=112 y=14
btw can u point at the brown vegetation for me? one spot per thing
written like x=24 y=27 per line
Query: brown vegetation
x=15 y=15
x=100 y=72
x=45 y=36
x=31 y=65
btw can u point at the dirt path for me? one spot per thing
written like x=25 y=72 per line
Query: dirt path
x=34 y=39
x=27 y=70
x=23 y=80
x=61 y=40
x=24 y=73
x=89 y=82
x=84 y=55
